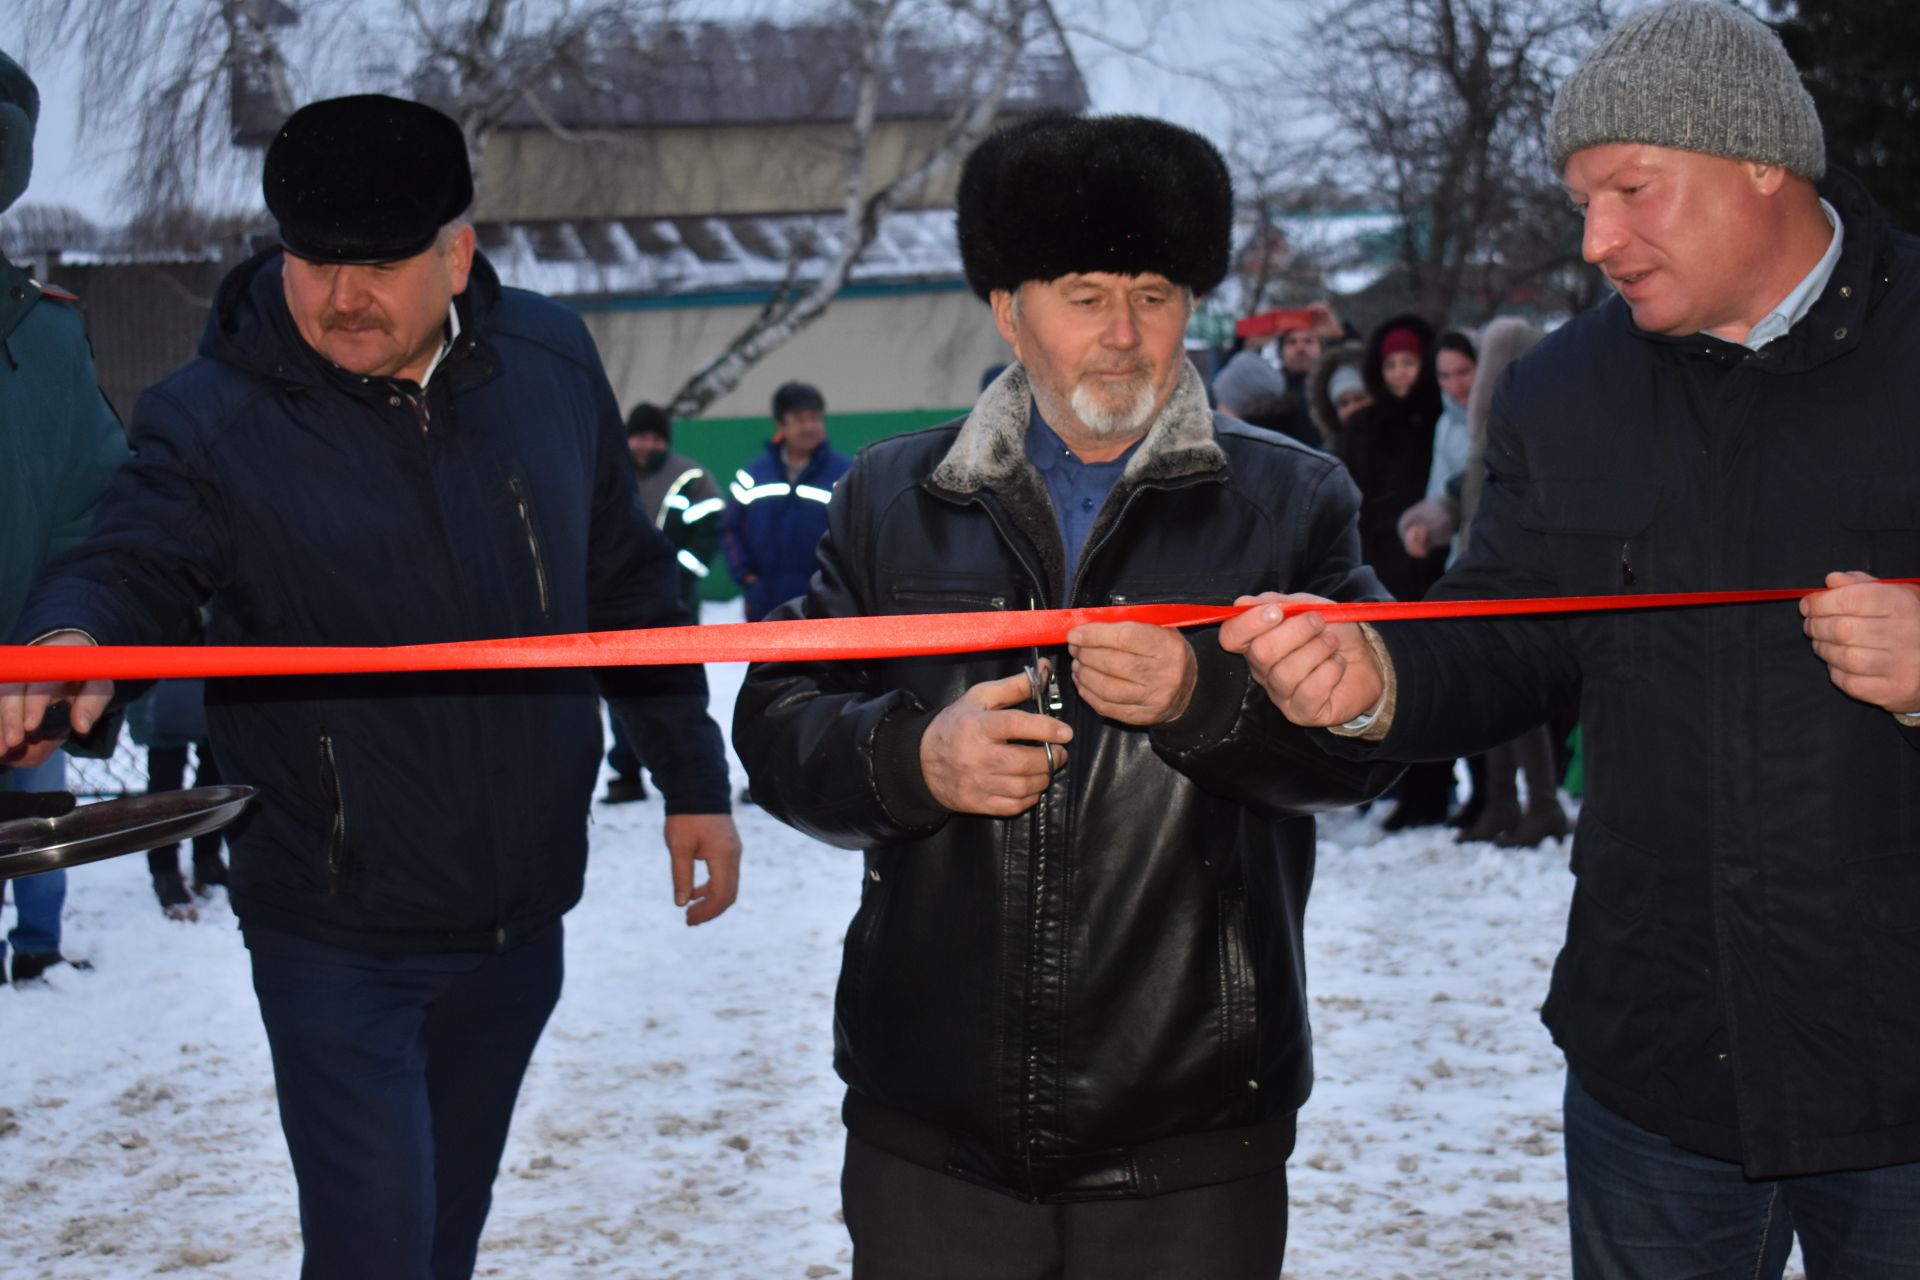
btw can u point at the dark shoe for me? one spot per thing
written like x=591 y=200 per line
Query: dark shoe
x=1494 y=820
x=625 y=790
x=208 y=872
x=28 y=967
x=1549 y=823
x=175 y=901
x=1469 y=813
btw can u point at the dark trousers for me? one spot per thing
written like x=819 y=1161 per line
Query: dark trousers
x=167 y=771
x=914 y=1223
x=1641 y=1208
x=397 y=1077
x=623 y=759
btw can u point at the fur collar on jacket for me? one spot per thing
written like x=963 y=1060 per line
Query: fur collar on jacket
x=990 y=455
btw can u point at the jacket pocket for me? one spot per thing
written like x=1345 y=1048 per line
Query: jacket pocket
x=863 y=937
x=335 y=794
x=1598 y=544
x=1885 y=510
x=922 y=592
x=523 y=505
x=1239 y=1008
x=1617 y=979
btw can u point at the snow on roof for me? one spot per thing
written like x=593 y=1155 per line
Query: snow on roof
x=669 y=256
x=710 y=73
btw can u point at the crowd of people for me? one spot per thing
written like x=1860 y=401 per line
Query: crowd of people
x=1072 y=1015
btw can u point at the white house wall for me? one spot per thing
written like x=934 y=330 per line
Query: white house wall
x=866 y=354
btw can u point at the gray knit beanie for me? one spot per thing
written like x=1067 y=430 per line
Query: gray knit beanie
x=1694 y=75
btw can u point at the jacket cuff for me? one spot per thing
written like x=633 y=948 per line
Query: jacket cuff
x=897 y=775
x=1219 y=691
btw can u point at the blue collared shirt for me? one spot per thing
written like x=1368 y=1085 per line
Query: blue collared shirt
x=1078 y=489
x=1794 y=307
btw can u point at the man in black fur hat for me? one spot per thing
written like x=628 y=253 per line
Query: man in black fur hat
x=1070 y=1018
x=380 y=444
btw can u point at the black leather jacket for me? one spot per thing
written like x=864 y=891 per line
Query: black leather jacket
x=1101 y=997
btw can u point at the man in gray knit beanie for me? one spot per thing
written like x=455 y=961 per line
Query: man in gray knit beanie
x=1688 y=142
x=1739 y=994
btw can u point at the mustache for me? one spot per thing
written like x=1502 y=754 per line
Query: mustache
x=352 y=320
x=1135 y=367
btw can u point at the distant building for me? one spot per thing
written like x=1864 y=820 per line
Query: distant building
x=667 y=196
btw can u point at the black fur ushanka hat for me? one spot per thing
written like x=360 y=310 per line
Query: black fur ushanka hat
x=1053 y=195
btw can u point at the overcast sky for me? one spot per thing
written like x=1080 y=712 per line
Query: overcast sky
x=1170 y=82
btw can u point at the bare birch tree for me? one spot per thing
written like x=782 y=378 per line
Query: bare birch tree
x=1003 y=29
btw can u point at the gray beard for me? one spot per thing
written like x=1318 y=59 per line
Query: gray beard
x=1105 y=420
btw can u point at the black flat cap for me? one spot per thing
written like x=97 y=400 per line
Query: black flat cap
x=1055 y=195
x=366 y=179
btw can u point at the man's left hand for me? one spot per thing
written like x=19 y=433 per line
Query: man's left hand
x=1133 y=672
x=1868 y=634
x=710 y=838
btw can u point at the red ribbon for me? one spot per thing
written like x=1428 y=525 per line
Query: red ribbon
x=798 y=640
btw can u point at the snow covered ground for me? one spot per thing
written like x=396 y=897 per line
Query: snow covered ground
x=681 y=1117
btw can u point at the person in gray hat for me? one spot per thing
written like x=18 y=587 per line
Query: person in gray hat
x=381 y=444
x=1738 y=998
x=1071 y=1018
x=60 y=443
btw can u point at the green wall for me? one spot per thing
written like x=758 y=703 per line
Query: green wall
x=724 y=445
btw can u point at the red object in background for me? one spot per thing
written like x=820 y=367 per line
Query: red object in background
x=1267 y=323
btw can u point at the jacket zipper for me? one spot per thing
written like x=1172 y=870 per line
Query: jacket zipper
x=525 y=508
x=337 y=837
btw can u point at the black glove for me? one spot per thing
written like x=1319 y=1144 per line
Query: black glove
x=34 y=804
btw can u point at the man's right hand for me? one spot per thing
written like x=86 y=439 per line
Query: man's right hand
x=22 y=706
x=1318 y=674
x=968 y=754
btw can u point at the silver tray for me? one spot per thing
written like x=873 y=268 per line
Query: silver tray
x=110 y=828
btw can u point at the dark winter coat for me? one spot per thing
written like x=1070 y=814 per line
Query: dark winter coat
x=314 y=507
x=772 y=526
x=1742 y=965
x=60 y=442
x=1102 y=997
x=1326 y=419
x=1388 y=448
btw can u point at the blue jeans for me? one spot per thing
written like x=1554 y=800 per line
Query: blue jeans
x=397 y=1076
x=1640 y=1208
x=39 y=899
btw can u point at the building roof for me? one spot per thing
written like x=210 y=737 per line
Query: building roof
x=712 y=73
x=665 y=257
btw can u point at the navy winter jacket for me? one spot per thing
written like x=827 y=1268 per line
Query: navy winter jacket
x=1742 y=967
x=772 y=526
x=315 y=507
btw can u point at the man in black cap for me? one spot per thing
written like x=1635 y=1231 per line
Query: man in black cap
x=1071 y=1017
x=379 y=444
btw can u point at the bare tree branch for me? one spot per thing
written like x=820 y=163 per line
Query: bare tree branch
x=1007 y=24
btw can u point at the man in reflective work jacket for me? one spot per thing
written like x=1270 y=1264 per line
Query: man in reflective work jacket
x=685 y=505
x=779 y=507
x=1739 y=994
x=380 y=444
x=1071 y=1016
